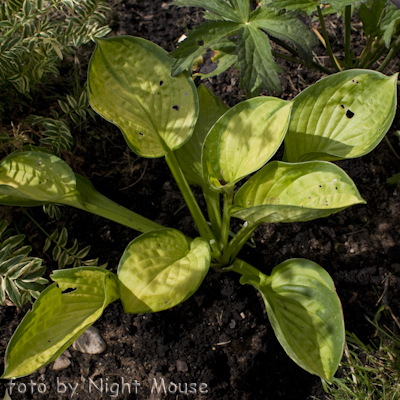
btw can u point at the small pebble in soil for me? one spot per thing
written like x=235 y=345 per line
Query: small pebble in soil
x=90 y=342
x=61 y=362
x=181 y=366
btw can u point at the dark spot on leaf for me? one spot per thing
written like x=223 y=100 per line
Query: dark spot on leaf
x=140 y=133
x=320 y=186
x=349 y=114
x=158 y=93
x=336 y=188
x=161 y=83
x=354 y=81
x=69 y=290
x=176 y=107
x=342 y=106
x=200 y=43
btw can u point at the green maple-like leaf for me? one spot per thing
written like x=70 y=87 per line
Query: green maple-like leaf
x=253 y=47
x=286 y=27
x=256 y=60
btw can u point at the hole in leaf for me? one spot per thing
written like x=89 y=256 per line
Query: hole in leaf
x=161 y=83
x=354 y=81
x=176 y=108
x=200 y=42
x=342 y=106
x=69 y=290
x=349 y=114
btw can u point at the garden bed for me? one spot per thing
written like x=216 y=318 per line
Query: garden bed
x=221 y=336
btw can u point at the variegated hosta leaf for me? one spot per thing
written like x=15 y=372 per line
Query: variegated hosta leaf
x=244 y=139
x=32 y=178
x=284 y=192
x=344 y=115
x=161 y=269
x=130 y=85
x=58 y=317
x=305 y=313
x=189 y=155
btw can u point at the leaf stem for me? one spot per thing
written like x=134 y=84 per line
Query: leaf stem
x=47 y=234
x=391 y=54
x=35 y=222
x=376 y=56
x=391 y=147
x=348 y=58
x=213 y=202
x=290 y=49
x=201 y=223
x=226 y=218
x=334 y=62
x=243 y=268
x=236 y=244
x=87 y=198
x=314 y=64
x=365 y=53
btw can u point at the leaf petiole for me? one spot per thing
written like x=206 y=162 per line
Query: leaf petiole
x=348 y=58
x=226 y=218
x=201 y=223
x=334 y=62
x=212 y=199
x=236 y=244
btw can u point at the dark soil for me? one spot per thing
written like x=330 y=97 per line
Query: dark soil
x=221 y=336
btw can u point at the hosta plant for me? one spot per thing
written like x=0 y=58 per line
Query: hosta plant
x=205 y=144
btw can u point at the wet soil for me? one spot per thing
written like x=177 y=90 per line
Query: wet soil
x=219 y=342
